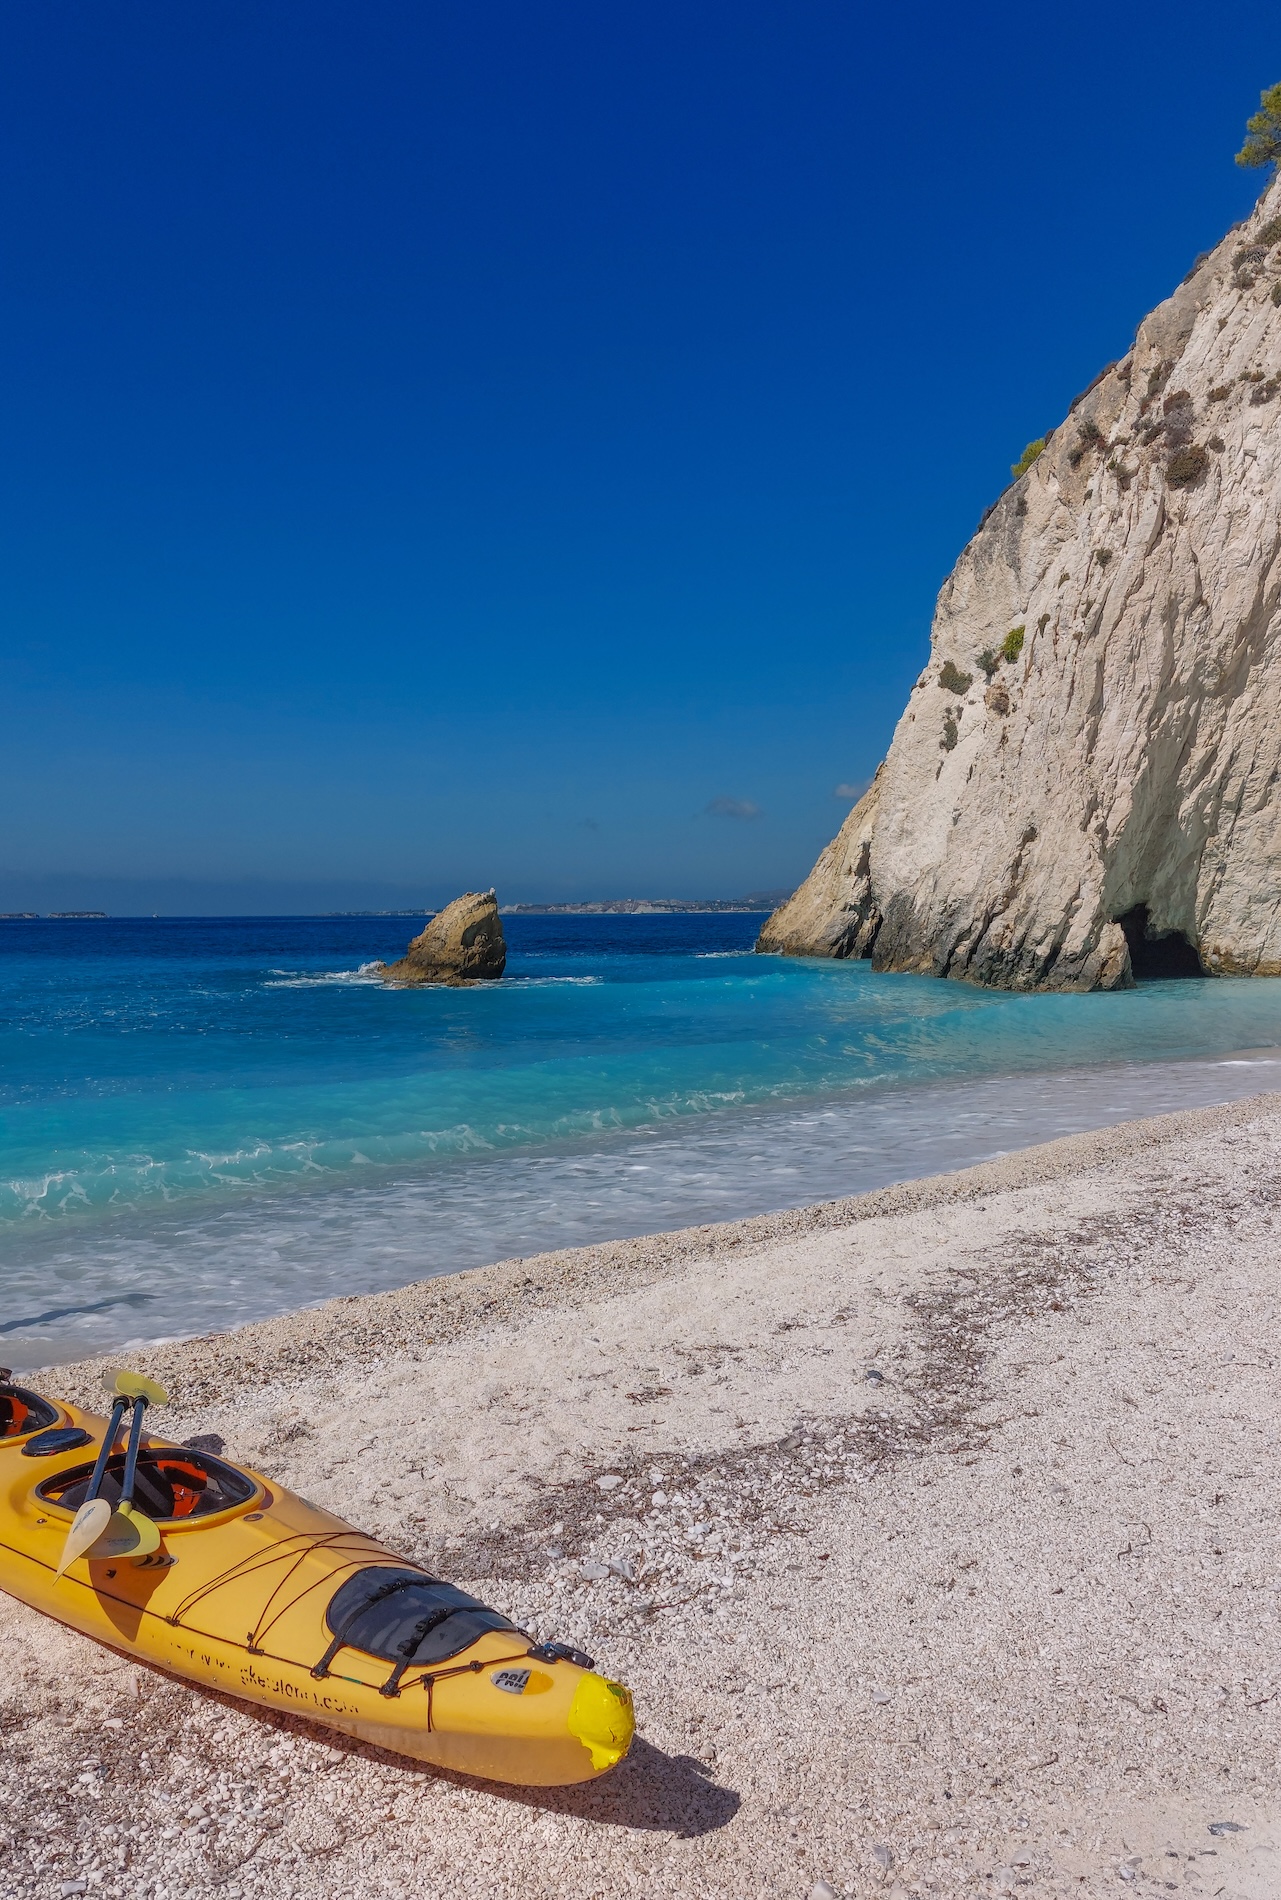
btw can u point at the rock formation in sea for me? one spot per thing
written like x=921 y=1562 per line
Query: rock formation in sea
x=1085 y=780
x=462 y=944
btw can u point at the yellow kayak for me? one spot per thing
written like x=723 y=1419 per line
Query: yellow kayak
x=255 y=1592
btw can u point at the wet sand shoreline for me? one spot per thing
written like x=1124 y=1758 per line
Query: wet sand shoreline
x=113 y=1281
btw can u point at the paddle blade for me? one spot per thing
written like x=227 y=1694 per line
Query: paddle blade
x=146 y=1531
x=128 y=1533
x=134 y=1385
x=87 y=1526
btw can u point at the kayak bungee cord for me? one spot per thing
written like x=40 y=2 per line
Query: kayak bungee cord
x=257 y=1561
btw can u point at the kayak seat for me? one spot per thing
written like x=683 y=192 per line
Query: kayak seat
x=152 y=1491
x=407 y=1617
x=169 y=1484
x=22 y=1412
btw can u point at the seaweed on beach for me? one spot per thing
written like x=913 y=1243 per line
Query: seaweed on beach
x=934 y=1397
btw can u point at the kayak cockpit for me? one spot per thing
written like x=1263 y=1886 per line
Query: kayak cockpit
x=171 y=1485
x=22 y=1412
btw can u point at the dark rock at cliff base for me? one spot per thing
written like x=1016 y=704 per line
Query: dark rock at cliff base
x=462 y=944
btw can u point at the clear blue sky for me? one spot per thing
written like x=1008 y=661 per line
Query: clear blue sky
x=457 y=444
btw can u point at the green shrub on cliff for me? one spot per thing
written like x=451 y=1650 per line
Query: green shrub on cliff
x=1263 y=132
x=1012 y=645
x=1027 y=458
x=951 y=677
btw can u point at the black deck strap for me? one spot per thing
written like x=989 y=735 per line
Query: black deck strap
x=391 y=1687
x=423 y=1627
x=321 y=1669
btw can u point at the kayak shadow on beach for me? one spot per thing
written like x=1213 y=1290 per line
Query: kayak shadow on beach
x=664 y=1794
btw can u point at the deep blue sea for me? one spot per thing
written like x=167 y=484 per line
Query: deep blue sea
x=207 y=1121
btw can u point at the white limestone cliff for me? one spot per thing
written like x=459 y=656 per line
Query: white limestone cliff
x=1042 y=821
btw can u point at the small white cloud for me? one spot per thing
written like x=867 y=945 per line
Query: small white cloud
x=854 y=791
x=734 y=808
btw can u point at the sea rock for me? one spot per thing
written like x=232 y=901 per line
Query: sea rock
x=1085 y=780
x=462 y=944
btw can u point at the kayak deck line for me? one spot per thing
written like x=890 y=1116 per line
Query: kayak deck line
x=265 y=1560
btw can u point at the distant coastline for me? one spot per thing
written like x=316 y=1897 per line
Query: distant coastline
x=754 y=902
x=650 y=906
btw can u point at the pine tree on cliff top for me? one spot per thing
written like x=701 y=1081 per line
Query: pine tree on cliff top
x=1263 y=141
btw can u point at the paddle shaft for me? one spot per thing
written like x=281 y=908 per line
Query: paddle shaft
x=104 y=1451
x=131 y=1455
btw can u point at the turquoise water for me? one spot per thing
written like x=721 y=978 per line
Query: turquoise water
x=205 y=1121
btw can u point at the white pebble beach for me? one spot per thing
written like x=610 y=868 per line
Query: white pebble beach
x=934 y=1531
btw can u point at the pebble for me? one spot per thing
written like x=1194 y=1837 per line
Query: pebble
x=1226 y=1827
x=882 y=1855
x=593 y=1571
x=73 y=1886
x=821 y=1891
x=881 y=1697
x=609 y=1482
